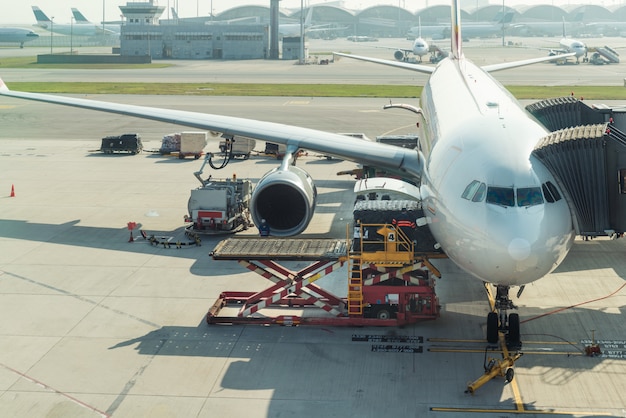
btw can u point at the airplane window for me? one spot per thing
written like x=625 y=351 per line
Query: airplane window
x=470 y=190
x=480 y=193
x=529 y=196
x=502 y=196
x=547 y=193
x=551 y=192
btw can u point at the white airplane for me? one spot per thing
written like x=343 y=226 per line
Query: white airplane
x=494 y=208
x=571 y=45
x=419 y=48
x=17 y=36
x=78 y=29
x=80 y=19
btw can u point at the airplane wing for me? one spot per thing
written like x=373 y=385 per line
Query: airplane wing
x=427 y=70
x=506 y=65
x=345 y=147
x=413 y=67
x=405 y=50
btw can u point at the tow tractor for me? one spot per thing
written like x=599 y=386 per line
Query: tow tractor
x=219 y=206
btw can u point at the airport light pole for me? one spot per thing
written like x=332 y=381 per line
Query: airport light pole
x=503 y=23
x=301 y=31
x=51 y=32
x=71 y=35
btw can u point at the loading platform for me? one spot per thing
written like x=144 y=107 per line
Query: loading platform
x=388 y=285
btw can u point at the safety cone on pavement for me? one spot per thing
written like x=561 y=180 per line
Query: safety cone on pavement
x=12 y=191
x=131 y=226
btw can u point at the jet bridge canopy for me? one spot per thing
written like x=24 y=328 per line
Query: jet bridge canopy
x=588 y=158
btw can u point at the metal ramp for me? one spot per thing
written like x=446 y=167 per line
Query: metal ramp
x=590 y=164
x=609 y=54
x=564 y=112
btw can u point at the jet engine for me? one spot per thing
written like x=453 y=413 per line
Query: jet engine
x=399 y=55
x=285 y=198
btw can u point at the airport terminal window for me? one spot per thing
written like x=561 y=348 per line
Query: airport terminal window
x=502 y=196
x=551 y=193
x=529 y=196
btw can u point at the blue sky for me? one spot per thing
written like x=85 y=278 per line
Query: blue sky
x=21 y=13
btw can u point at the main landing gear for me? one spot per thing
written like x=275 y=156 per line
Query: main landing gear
x=499 y=320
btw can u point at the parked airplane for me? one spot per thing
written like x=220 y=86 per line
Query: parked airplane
x=419 y=49
x=494 y=208
x=78 y=29
x=17 y=36
x=470 y=29
x=571 y=45
x=546 y=27
x=81 y=19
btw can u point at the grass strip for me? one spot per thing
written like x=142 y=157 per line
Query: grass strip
x=300 y=90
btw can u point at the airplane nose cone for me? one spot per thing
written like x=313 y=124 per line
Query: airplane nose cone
x=519 y=249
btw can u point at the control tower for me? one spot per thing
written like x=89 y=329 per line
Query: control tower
x=142 y=13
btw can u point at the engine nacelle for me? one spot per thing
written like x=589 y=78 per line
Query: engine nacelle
x=285 y=199
x=399 y=55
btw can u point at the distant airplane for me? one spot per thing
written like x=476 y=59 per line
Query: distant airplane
x=81 y=19
x=284 y=29
x=547 y=28
x=494 y=208
x=288 y=30
x=17 y=36
x=419 y=49
x=470 y=29
x=571 y=45
x=78 y=29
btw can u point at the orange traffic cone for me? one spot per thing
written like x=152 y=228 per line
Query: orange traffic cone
x=12 y=191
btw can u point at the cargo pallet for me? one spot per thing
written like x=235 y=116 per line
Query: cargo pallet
x=388 y=285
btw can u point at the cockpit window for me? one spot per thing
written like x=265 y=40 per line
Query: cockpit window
x=551 y=192
x=475 y=191
x=529 y=196
x=502 y=196
x=480 y=193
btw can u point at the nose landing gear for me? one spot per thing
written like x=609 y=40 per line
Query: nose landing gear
x=499 y=320
x=503 y=329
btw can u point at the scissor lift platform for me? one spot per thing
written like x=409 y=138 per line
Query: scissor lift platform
x=402 y=291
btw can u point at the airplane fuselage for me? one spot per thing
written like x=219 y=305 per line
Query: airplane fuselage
x=17 y=35
x=482 y=189
x=572 y=45
x=420 y=47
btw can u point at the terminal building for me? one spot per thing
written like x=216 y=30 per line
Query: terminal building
x=142 y=35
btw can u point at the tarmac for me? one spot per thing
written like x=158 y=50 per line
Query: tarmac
x=94 y=325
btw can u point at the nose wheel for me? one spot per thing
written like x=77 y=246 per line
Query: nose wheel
x=503 y=329
x=499 y=320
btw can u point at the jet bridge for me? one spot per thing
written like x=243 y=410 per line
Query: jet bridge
x=588 y=158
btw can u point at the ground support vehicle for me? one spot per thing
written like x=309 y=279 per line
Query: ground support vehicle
x=184 y=144
x=219 y=206
x=390 y=285
x=240 y=147
x=129 y=143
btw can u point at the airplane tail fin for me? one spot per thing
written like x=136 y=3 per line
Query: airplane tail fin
x=78 y=16
x=456 y=40
x=40 y=15
x=419 y=27
x=309 y=16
